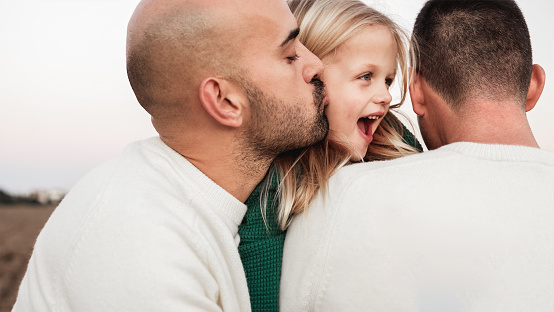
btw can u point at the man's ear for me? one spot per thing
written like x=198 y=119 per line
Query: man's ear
x=417 y=95
x=538 y=78
x=222 y=100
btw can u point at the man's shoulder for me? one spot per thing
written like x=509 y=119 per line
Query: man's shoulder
x=145 y=184
x=403 y=164
x=467 y=153
x=135 y=156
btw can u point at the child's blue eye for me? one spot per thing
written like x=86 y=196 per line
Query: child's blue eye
x=366 y=77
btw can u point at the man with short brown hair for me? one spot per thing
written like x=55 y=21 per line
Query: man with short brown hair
x=467 y=226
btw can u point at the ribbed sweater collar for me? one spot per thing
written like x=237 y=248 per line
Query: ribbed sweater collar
x=501 y=152
x=222 y=201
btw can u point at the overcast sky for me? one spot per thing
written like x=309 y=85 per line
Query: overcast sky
x=66 y=104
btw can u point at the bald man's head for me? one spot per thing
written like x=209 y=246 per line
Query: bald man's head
x=172 y=45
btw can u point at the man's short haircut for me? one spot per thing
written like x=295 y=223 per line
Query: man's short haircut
x=473 y=48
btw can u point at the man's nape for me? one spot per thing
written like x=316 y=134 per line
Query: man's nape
x=472 y=84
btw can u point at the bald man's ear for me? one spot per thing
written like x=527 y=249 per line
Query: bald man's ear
x=538 y=78
x=222 y=100
x=417 y=95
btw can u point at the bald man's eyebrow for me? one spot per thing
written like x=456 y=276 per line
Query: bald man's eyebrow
x=292 y=35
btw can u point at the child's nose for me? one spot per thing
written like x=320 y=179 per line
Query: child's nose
x=382 y=96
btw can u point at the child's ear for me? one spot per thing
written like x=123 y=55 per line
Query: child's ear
x=417 y=95
x=538 y=78
x=223 y=101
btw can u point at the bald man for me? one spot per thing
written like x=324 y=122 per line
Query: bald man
x=228 y=87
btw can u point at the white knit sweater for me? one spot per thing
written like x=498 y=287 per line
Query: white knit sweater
x=145 y=232
x=467 y=227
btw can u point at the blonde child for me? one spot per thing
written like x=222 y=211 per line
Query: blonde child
x=364 y=52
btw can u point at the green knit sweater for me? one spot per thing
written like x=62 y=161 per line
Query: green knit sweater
x=261 y=247
x=261 y=251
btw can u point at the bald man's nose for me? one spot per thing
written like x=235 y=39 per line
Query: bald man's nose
x=313 y=66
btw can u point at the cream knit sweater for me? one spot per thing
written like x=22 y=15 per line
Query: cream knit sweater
x=145 y=232
x=467 y=227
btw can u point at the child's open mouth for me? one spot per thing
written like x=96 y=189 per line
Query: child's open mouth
x=365 y=123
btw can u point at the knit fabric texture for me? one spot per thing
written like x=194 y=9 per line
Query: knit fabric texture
x=146 y=231
x=261 y=246
x=261 y=251
x=409 y=138
x=464 y=227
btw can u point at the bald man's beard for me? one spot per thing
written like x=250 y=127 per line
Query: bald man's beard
x=277 y=126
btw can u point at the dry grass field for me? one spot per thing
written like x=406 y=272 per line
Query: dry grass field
x=19 y=227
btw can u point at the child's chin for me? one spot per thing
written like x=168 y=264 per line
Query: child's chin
x=358 y=155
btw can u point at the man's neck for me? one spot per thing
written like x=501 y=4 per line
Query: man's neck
x=216 y=153
x=237 y=180
x=493 y=124
x=224 y=165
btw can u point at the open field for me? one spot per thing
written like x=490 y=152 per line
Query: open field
x=19 y=227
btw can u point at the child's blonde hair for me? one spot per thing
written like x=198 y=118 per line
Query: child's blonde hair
x=324 y=26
